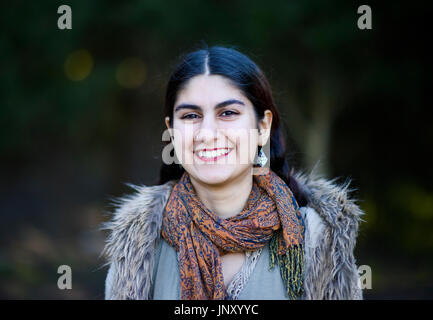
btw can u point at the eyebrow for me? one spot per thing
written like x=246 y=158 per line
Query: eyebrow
x=218 y=106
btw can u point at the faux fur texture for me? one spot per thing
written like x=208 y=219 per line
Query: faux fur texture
x=331 y=227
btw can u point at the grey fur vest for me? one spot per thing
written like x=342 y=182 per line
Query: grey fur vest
x=331 y=227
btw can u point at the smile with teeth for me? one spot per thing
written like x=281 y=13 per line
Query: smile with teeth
x=213 y=155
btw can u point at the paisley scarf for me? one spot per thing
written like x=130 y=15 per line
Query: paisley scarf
x=270 y=214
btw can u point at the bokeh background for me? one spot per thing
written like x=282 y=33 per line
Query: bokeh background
x=81 y=115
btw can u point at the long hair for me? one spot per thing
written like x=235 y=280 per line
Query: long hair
x=251 y=81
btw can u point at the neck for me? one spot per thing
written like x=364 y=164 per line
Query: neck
x=228 y=199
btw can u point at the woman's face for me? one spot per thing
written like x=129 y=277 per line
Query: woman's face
x=215 y=130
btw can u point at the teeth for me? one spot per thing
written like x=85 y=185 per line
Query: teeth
x=212 y=154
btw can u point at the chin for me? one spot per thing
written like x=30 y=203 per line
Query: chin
x=214 y=174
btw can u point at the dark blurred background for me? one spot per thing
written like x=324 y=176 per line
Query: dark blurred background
x=81 y=115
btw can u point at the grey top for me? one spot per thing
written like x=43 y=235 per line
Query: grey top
x=253 y=282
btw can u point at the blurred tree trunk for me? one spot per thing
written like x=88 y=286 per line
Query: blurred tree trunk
x=312 y=122
x=317 y=144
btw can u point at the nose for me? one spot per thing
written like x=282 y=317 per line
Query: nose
x=207 y=133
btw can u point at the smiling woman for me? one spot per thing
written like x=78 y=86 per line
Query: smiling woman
x=221 y=120
x=213 y=228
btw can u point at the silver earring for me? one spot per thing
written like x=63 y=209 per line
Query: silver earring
x=261 y=158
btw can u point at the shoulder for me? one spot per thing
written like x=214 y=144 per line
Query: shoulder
x=331 y=220
x=135 y=217
x=331 y=201
x=132 y=232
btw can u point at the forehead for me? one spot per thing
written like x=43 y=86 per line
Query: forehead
x=209 y=89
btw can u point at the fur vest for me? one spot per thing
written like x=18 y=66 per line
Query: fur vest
x=331 y=227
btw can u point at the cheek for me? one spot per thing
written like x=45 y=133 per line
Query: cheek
x=183 y=143
x=246 y=142
x=248 y=139
x=184 y=135
x=253 y=142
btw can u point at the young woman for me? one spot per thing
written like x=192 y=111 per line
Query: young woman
x=216 y=228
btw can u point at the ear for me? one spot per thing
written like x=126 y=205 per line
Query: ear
x=265 y=128
x=167 y=122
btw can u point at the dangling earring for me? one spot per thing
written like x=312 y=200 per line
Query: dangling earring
x=261 y=158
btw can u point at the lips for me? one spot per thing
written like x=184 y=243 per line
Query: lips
x=212 y=154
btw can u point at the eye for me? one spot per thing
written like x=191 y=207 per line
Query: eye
x=229 y=111
x=189 y=116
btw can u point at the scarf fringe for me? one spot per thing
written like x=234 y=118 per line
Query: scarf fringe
x=291 y=266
